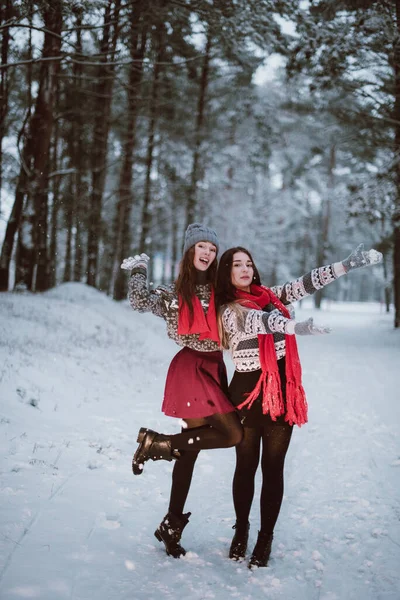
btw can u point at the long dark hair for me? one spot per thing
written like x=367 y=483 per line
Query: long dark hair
x=225 y=291
x=186 y=282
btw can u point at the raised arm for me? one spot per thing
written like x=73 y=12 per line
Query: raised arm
x=318 y=278
x=139 y=296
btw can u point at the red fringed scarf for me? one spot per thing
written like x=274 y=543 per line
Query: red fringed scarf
x=203 y=324
x=269 y=382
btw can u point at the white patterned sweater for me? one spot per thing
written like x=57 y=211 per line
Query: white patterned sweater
x=242 y=336
x=163 y=302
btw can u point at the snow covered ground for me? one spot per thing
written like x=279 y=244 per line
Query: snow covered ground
x=79 y=374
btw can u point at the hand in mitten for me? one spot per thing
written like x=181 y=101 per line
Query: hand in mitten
x=361 y=258
x=134 y=262
x=291 y=311
x=308 y=328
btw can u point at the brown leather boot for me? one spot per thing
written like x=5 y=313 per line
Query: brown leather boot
x=154 y=446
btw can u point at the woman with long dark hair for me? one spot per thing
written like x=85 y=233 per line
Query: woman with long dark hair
x=266 y=387
x=196 y=387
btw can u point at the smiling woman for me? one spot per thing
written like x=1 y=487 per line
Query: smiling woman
x=242 y=271
x=266 y=386
x=196 y=386
x=204 y=255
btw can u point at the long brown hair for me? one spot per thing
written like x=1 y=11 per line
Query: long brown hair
x=187 y=279
x=225 y=291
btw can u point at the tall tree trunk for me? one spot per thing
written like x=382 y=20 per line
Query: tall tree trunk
x=32 y=269
x=100 y=136
x=396 y=212
x=55 y=204
x=145 y=241
x=21 y=191
x=5 y=15
x=42 y=123
x=174 y=225
x=199 y=135
x=12 y=228
x=174 y=248
x=68 y=211
x=325 y=224
x=79 y=158
x=125 y=201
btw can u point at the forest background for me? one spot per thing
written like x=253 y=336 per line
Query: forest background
x=275 y=121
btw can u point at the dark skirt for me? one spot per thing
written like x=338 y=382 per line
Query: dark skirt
x=196 y=386
x=242 y=384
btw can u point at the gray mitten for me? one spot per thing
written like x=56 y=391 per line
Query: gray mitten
x=308 y=328
x=134 y=262
x=361 y=258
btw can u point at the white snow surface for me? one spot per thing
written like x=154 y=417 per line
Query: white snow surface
x=80 y=373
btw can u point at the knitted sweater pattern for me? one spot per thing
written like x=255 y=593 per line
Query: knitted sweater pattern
x=163 y=302
x=242 y=334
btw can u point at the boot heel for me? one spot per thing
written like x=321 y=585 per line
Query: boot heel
x=141 y=434
x=158 y=536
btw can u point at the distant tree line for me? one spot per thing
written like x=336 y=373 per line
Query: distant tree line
x=123 y=121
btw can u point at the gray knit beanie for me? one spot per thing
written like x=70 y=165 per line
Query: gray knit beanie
x=199 y=233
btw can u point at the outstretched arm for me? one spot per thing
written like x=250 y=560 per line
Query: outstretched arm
x=139 y=296
x=255 y=322
x=277 y=323
x=321 y=276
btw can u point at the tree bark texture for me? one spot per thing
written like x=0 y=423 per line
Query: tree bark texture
x=125 y=199
x=199 y=134
x=54 y=207
x=145 y=242
x=24 y=270
x=78 y=159
x=100 y=136
x=396 y=212
x=42 y=123
x=5 y=15
x=325 y=222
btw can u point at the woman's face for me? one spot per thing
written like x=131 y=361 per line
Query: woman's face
x=242 y=271
x=204 y=255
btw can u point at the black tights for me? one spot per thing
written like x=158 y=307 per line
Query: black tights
x=219 y=431
x=275 y=437
x=216 y=431
x=181 y=480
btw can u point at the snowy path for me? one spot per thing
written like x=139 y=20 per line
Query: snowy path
x=79 y=374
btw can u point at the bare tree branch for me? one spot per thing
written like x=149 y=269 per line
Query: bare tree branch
x=119 y=63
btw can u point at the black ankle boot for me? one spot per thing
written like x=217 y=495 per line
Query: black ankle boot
x=239 y=543
x=262 y=550
x=152 y=445
x=170 y=531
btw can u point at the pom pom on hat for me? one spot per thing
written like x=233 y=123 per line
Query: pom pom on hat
x=199 y=233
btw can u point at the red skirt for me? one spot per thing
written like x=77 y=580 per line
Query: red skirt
x=196 y=386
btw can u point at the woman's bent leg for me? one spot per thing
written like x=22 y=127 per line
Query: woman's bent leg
x=224 y=431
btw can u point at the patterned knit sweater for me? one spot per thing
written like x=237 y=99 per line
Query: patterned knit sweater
x=242 y=332
x=163 y=302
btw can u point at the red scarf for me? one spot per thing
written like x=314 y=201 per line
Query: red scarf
x=203 y=324
x=269 y=382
